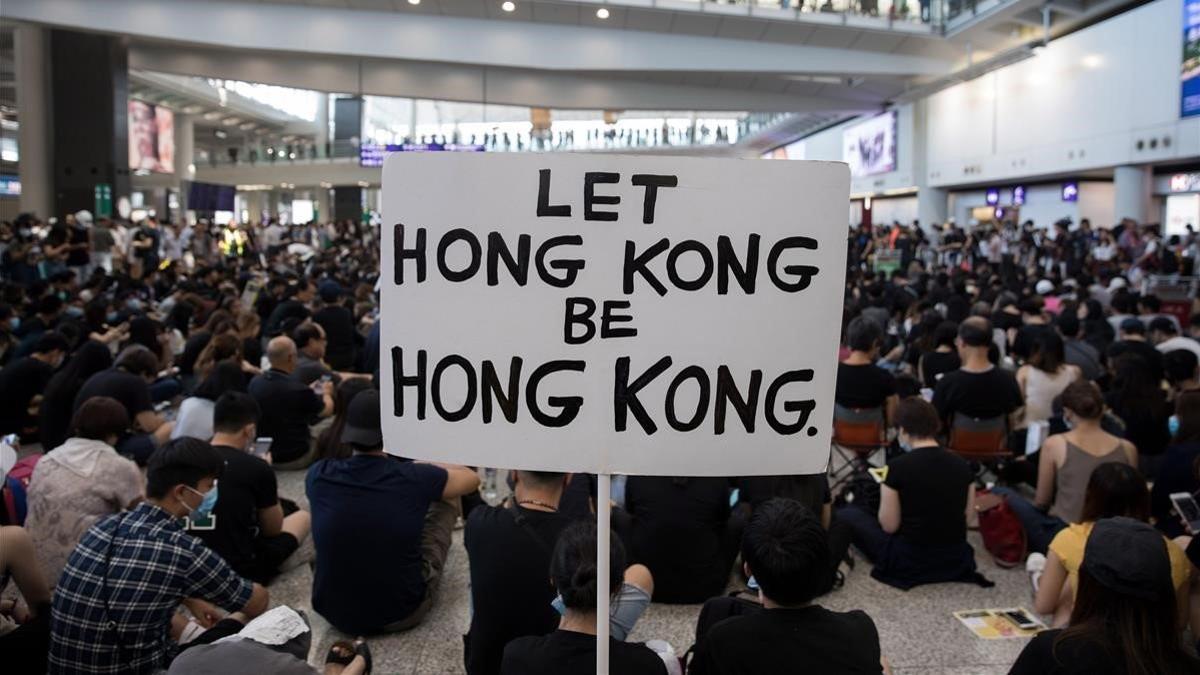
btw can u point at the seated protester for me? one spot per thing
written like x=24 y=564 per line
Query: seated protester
x=288 y=407
x=338 y=323
x=402 y=506
x=1179 y=468
x=114 y=607
x=1138 y=399
x=299 y=296
x=195 y=417
x=919 y=535
x=1182 y=370
x=1043 y=377
x=128 y=381
x=811 y=491
x=1076 y=350
x=329 y=443
x=681 y=529
x=977 y=389
x=23 y=381
x=571 y=649
x=860 y=383
x=80 y=482
x=1124 y=619
x=1133 y=341
x=1033 y=326
x=944 y=357
x=58 y=403
x=219 y=322
x=249 y=528
x=509 y=549
x=24 y=645
x=310 y=354
x=248 y=655
x=1113 y=490
x=1065 y=464
x=1165 y=337
x=785 y=549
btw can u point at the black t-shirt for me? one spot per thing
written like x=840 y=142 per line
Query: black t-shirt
x=678 y=531
x=78 y=257
x=810 y=640
x=1145 y=421
x=866 y=386
x=933 y=495
x=148 y=255
x=338 y=323
x=937 y=363
x=247 y=485
x=251 y=351
x=192 y=347
x=510 y=585
x=569 y=653
x=288 y=309
x=992 y=393
x=129 y=390
x=1047 y=655
x=811 y=491
x=20 y=381
x=286 y=406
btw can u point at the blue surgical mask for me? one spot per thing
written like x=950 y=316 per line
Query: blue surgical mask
x=558 y=605
x=904 y=445
x=112 y=317
x=1173 y=425
x=73 y=312
x=134 y=304
x=207 y=502
x=14 y=322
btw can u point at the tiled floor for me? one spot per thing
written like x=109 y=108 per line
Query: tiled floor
x=917 y=631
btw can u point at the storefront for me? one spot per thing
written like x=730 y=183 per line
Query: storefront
x=1042 y=203
x=1177 y=198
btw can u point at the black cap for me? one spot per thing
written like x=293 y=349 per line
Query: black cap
x=1162 y=324
x=1134 y=326
x=363 y=426
x=1129 y=557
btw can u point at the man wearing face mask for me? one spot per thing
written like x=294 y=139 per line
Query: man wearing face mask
x=23 y=381
x=249 y=527
x=919 y=535
x=114 y=607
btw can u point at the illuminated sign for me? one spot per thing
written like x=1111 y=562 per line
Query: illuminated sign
x=1185 y=182
x=993 y=197
x=1018 y=197
x=1070 y=192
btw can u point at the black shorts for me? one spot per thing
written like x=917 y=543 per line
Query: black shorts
x=269 y=554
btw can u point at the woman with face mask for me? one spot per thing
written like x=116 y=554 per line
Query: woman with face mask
x=1065 y=464
x=919 y=534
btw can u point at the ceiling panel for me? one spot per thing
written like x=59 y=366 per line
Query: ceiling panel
x=877 y=41
x=803 y=88
x=640 y=19
x=742 y=29
x=616 y=17
x=462 y=8
x=555 y=13
x=695 y=25
x=374 y=5
x=736 y=80
x=523 y=12
x=826 y=36
x=771 y=83
x=340 y=4
x=791 y=33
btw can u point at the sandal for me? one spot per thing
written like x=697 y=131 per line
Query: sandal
x=361 y=648
x=341 y=652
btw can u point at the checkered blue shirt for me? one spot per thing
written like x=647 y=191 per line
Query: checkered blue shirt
x=154 y=565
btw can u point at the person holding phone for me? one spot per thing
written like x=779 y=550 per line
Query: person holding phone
x=252 y=529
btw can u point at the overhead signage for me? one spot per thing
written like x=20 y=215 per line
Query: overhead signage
x=373 y=155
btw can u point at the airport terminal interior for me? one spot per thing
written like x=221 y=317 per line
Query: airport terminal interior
x=927 y=272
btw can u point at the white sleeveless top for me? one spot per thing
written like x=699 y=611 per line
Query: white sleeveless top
x=1041 y=389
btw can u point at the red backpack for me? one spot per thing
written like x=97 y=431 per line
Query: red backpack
x=13 y=488
x=1003 y=536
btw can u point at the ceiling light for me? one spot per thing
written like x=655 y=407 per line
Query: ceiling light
x=414 y=2
x=508 y=5
x=602 y=13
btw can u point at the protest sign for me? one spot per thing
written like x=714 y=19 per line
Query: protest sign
x=611 y=314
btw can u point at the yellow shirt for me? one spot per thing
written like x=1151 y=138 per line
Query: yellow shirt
x=1068 y=544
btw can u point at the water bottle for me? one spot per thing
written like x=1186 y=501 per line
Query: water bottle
x=491 y=492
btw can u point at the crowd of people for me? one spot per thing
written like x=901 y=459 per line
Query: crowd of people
x=167 y=372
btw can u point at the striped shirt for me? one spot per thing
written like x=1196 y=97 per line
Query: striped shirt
x=153 y=564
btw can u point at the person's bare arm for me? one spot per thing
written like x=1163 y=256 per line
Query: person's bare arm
x=889 y=509
x=260 y=599
x=149 y=421
x=460 y=480
x=889 y=407
x=1050 y=587
x=970 y=502
x=1046 y=471
x=17 y=557
x=1131 y=452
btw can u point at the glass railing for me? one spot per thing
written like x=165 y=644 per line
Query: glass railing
x=914 y=11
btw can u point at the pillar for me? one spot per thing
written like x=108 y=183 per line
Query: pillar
x=347 y=125
x=347 y=202
x=185 y=167
x=931 y=201
x=89 y=81
x=322 y=138
x=1132 y=192
x=323 y=204
x=33 y=113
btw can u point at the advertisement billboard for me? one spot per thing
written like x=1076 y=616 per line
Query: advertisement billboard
x=151 y=138
x=1189 y=71
x=870 y=147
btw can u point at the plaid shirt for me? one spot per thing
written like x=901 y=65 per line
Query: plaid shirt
x=154 y=565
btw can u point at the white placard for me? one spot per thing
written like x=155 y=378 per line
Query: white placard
x=764 y=359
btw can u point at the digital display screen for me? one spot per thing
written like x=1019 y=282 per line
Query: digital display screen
x=373 y=155
x=151 y=138
x=870 y=147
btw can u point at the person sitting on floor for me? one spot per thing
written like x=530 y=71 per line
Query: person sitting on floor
x=80 y=482
x=1065 y=464
x=250 y=527
x=1113 y=490
x=571 y=650
x=24 y=619
x=786 y=550
x=509 y=550
x=128 y=381
x=289 y=406
x=1124 y=620
x=114 y=607
x=919 y=535
x=402 y=508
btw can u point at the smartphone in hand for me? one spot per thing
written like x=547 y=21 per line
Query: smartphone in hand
x=262 y=446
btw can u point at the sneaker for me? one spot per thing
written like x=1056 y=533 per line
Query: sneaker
x=1035 y=564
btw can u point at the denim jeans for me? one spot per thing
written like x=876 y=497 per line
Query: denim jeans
x=1040 y=527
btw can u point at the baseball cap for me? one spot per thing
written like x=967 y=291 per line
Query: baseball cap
x=1162 y=324
x=1044 y=287
x=1129 y=557
x=1132 y=325
x=363 y=426
x=329 y=290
